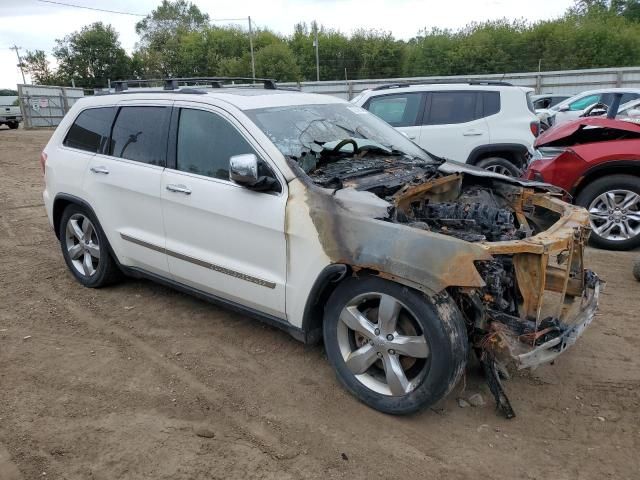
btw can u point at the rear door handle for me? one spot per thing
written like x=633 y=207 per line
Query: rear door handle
x=101 y=169
x=472 y=133
x=179 y=189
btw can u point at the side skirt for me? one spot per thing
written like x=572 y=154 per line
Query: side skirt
x=296 y=332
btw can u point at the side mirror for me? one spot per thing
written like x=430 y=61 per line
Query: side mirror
x=243 y=169
x=564 y=109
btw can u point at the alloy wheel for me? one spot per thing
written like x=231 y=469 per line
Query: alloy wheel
x=499 y=169
x=382 y=344
x=615 y=215
x=81 y=242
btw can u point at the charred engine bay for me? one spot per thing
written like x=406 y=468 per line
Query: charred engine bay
x=470 y=211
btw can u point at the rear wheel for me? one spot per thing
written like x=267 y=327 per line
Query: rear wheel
x=613 y=203
x=392 y=347
x=85 y=248
x=13 y=125
x=499 y=165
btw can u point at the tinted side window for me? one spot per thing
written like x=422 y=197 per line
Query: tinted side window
x=140 y=134
x=91 y=129
x=584 y=102
x=401 y=110
x=491 y=102
x=206 y=141
x=451 y=107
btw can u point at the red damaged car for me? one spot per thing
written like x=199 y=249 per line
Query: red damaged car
x=597 y=161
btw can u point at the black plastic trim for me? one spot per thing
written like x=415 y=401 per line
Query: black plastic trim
x=313 y=313
x=478 y=152
x=585 y=178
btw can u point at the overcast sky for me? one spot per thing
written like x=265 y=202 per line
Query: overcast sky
x=31 y=24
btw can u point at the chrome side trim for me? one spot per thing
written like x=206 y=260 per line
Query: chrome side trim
x=200 y=263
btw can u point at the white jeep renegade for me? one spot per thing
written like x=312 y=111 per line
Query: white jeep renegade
x=316 y=216
x=488 y=124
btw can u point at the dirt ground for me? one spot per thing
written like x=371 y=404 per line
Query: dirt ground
x=139 y=381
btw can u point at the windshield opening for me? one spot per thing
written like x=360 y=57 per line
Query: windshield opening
x=315 y=135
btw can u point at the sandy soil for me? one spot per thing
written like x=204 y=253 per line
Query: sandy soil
x=139 y=381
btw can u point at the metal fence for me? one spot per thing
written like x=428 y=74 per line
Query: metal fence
x=565 y=81
x=45 y=106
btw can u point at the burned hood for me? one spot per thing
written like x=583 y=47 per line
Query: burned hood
x=586 y=130
x=451 y=167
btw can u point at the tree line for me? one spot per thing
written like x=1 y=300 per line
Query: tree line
x=178 y=40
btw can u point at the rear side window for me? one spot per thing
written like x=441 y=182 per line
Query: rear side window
x=140 y=134
x=90 y=131
x=206 y=141
x=584 y=102
x=451 y=107
x=491 y=103
x=399 y=110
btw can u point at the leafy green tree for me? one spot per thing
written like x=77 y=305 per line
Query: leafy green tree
x=92 y=56
x=161 y=34
x=37 y=66
x=277 y=61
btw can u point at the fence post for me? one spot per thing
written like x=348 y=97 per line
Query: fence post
x=619 y=75
x=65 y=102
x=538 y=84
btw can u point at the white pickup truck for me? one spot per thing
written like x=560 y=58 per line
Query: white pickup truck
x=10 y=116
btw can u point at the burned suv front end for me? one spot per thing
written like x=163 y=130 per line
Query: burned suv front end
x=536 y=297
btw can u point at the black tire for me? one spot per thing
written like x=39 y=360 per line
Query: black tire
x=597 y=188
x=442 y=325
x=500 y=165
x=636 y=269
x=106 y=269
x=13 y=125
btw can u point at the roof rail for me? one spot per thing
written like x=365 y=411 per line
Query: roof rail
x=443 y=82
x=174 y=83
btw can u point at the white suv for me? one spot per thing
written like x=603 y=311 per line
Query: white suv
x=488 y=124
x=316 y=216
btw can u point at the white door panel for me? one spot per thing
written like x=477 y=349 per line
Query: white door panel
x=412 y=133
x=222 y=238
x=226 y=240
x=454 y=141
x=126 y=198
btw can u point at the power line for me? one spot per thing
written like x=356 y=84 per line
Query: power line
x=91 y=8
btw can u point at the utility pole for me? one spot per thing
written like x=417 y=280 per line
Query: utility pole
x=253 y=60
x=315 y=44
x=17 y=49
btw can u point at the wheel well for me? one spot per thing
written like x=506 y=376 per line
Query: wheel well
x=323 y=287
x=632 y=168
x=513 y=152
x=509 y=155
x=59 y=206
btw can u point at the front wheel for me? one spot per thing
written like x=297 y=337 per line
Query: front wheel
x=613 y=203
x=394 y=348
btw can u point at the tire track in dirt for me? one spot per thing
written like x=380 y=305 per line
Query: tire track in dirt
x=259 y=436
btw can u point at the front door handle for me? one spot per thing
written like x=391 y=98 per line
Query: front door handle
x=472 y=133
x=100 y=169
x=179 y=189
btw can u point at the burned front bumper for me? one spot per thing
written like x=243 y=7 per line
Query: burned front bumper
x=558 y=297
x=549 y=350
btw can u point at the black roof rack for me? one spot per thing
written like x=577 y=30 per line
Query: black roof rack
x=174 y=83
x=409 y=83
